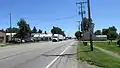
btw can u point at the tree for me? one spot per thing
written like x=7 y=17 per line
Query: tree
x=98 y=32
x=34 y=30
x=2 y=29
x=118 y=36
x=57 y=30
x=118 y=42
x=63 y=33
x=39 y=31
x=111 y=33
x=45 y=32
x=24 y=29
x=104 y=31
x=85 y=24
x=13 y=30
x=78 y=35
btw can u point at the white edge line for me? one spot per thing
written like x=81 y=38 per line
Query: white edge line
x=49 y=65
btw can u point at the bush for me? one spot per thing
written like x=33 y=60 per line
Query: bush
x=118 y=42
x=85 y=43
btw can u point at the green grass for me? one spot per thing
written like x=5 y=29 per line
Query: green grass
x=97 y=57
x=12 y=44
x=111 y=47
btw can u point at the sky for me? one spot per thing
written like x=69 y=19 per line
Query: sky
x=44 y=14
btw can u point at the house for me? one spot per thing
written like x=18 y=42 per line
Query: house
x=2 y=36
x=8 y=36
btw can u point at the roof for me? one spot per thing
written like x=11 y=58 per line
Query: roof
x=42 y=35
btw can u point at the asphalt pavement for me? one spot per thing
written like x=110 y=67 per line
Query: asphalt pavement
x=40 y=55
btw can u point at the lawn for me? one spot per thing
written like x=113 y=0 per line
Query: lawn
x=111 y=47
x=97 y=57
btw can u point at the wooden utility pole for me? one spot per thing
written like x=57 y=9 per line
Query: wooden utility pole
x=81 y=12
x=10 y=27
x=78 y=25
x=90 y=25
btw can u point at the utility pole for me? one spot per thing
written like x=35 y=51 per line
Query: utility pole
x=78 y=26
x=90 y=24
x=81 y=12
x=10 y=27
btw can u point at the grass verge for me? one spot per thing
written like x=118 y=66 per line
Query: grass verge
x=97 y=57
x=111 y=47
x=12 y=44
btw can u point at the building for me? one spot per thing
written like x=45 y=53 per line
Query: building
x=86 y=30
x=86 y=37
x=41 y=36
x=8 y=36
x=46 y=37
x=2 y=36
x=101 y=37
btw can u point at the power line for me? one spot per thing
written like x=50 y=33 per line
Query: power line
x=56 y=19
x=81 y=11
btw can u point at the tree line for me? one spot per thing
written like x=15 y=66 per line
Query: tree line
x=111 y=33
x=24 y=31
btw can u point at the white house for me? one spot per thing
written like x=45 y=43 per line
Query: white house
x=8 y=36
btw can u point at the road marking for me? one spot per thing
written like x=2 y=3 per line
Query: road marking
x=49 y=65
x=72 y=43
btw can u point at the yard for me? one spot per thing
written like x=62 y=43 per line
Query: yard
x=111 y=47
x=96 y=57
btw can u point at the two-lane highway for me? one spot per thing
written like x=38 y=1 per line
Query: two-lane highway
x=39 y=55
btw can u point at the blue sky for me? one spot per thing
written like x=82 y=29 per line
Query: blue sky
x=44 y=13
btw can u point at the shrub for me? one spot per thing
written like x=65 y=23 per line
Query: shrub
x=118 y=42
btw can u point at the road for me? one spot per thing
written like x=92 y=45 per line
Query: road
x=40 y=55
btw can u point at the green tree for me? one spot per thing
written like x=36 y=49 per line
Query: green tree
x=118 y=36
x=63 y=33
x=98 y=32
x=57 y=30
x=105 y=31
x=13 y=30
x=34 y=30
x=78 y=35
x=45 y=32
x=39 y=31
x=85 y=24
x=24 y=29
x=112 y=33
